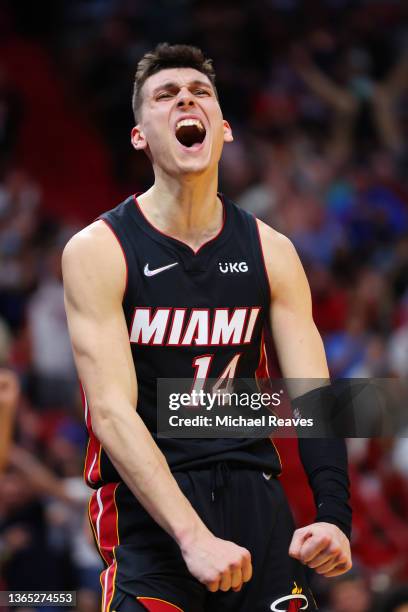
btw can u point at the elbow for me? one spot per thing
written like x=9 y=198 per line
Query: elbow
x=101 y=424
x=108 y=417
x=103 y=420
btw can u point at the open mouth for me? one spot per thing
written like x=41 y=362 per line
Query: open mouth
x=190 y=132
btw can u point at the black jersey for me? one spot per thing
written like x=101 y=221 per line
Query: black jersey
x=190 y=314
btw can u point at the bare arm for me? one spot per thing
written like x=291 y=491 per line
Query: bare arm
x=42 y=479
x=384 y=105
x=94 y=280
x=9 y=394
x=340 y=100
x=297 y=340
x=336 y=96
x=322 y=546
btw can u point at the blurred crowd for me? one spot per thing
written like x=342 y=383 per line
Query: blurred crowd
x=316 y=92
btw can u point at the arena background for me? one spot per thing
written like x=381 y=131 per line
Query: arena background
x=316 y=92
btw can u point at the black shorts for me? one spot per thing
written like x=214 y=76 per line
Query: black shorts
x=145 y=569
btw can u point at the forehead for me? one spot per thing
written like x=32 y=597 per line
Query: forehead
x=178 y=76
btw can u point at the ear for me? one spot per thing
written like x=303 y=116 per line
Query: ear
x=137 y=138
x=228 y=137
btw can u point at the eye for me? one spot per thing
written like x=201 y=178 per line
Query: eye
x=201 y=92
x=164 y=95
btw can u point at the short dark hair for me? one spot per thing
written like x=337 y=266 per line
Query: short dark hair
x=169 y=56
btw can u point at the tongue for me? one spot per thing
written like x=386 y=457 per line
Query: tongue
x=189 y=135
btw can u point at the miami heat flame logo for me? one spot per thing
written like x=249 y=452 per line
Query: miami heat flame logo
x=297 y=601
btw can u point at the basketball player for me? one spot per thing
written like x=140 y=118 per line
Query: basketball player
x=155 y=288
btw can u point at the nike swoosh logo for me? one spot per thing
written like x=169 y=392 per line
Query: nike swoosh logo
x=148 y=272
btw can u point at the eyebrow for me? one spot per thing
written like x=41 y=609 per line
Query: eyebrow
x=174 y=85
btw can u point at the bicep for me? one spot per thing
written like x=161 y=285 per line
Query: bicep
x=297 y=340
x=98 y=328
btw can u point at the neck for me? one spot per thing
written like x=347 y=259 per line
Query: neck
x=187 y=209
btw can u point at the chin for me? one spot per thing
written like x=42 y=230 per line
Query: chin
x=192 y=166
x=193 y=169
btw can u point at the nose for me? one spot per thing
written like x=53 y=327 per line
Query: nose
x=185 y=98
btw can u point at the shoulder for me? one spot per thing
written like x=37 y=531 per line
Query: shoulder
x=282 y=262
x=275 y=246
x=97 y=240
x=94 y=254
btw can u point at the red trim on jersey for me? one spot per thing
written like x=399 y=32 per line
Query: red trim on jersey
x=106 y=524
x=92 y=465
x=263 y=255
x=123 y=251
x=154 y=604
x=262 y=369
x=263 y=382
x=92 y=472
x=156 y=229
x=104 y=519
x=108 y=586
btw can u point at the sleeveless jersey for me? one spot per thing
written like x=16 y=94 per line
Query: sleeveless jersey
x=190 y=314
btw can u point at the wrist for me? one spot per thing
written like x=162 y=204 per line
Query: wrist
x=188 y=534
x=344 y=526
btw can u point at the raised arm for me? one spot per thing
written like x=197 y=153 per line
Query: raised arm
x=94 y=280
x=323 y=545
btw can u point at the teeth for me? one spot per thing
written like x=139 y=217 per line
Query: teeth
x=188 y=122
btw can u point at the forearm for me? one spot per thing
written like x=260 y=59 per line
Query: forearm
x=337 y=97
x=325 y=459
x=144 y=469
x=40 y=476
x=325 y=463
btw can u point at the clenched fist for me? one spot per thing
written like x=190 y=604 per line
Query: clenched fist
x=219 y=564
x=323 y=547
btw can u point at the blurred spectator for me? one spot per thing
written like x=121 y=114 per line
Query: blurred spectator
x=359 y=99
x=54 y=376
x=23 y=533
x=10 y=115
x=349 y=593
x=9 y=394
x=398 y=351
x=19 y=220
x=396 y=600
x=345 y=349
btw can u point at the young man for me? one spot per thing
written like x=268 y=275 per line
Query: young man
x=193 y=525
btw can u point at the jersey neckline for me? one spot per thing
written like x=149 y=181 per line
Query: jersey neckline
x=155 y=232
